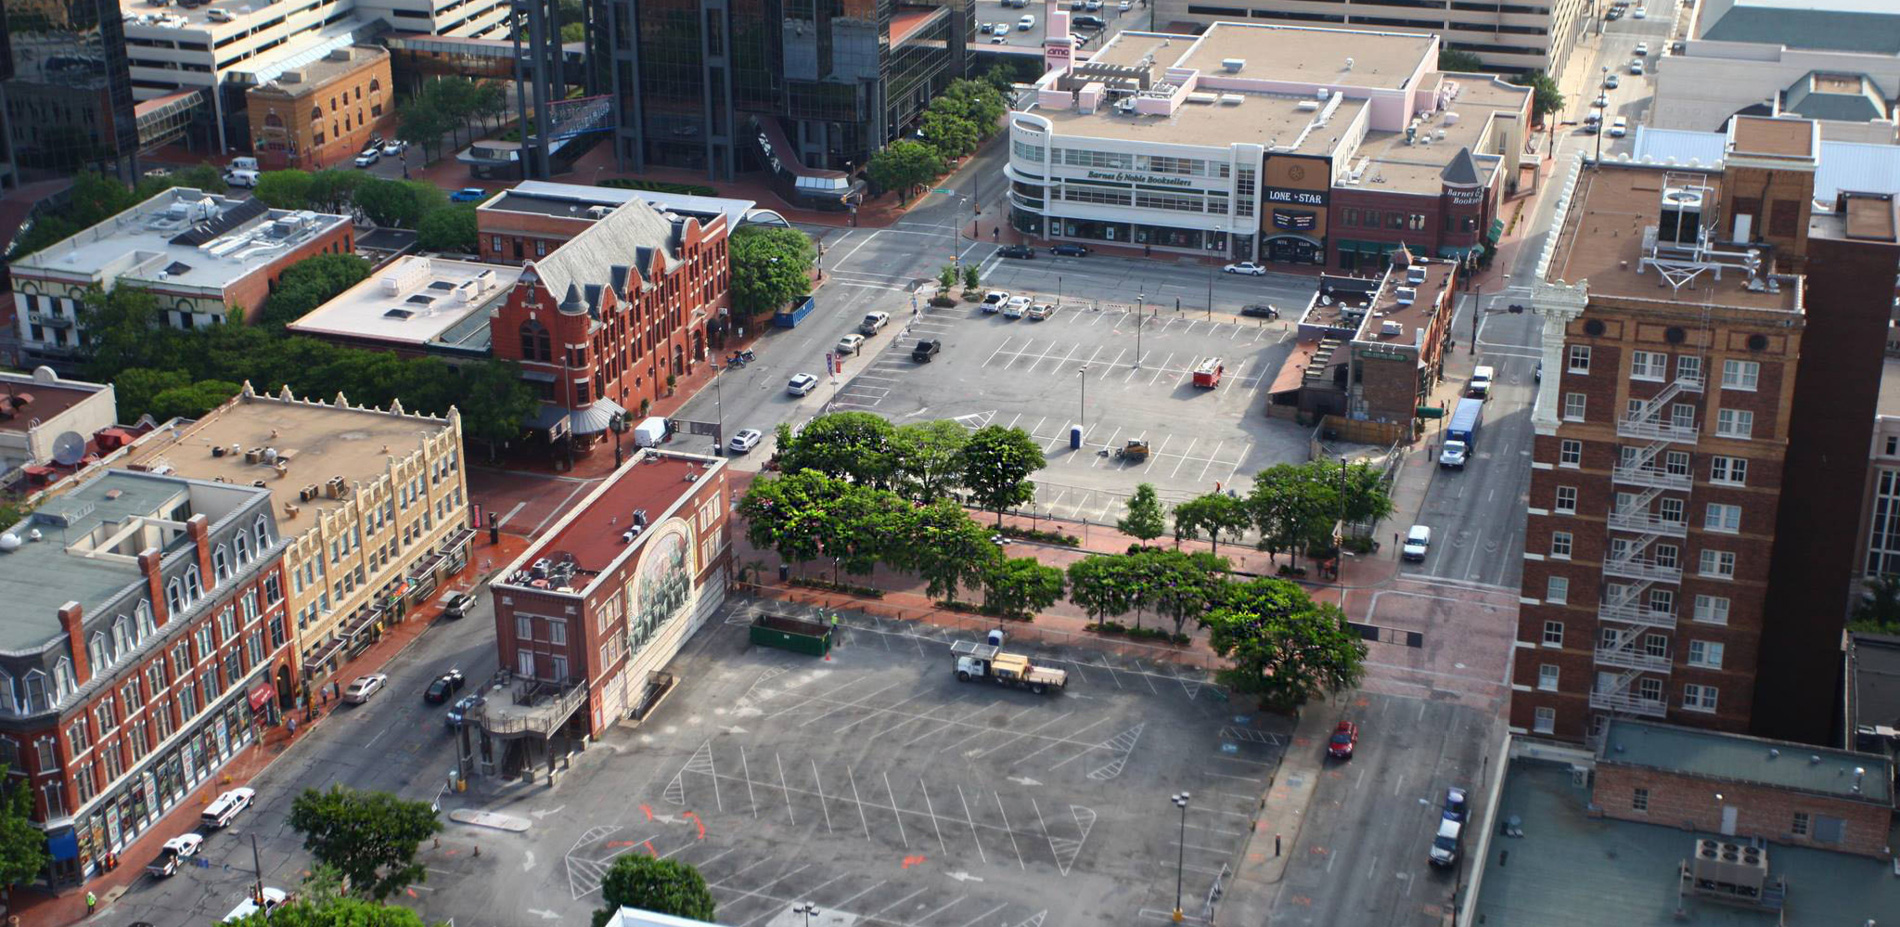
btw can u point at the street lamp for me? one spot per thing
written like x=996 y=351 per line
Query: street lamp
x=1082 y=406
x=808 y=909
x=719 y=401
x=956 y=259
x=1141 y=311
x=1604 y=95
x=1212 y=233
x=618 y=425
x=1477 y=312
x=1181 y=802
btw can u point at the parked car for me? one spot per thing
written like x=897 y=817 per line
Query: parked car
x=443 y=686
x=1070 y=249
x=745 y=440
x=1026 y=23
x=1455 y=806
x=999 y=39
x=468 y=195
x=273 y=897
x=1446 y=843
x=1017 y=251
x=1041 y=311
x=802 y=384
x=1602 y=101
x=237 y=178
x=173 y=853
x=1124 y=6
x=1345 y=738
x=926 y=350
x=1260 y=311
x=1636 y=66
x=1087 y=22
x=227 y=806
x=364 y=687
x=1642 y=12
x=1642 y=49
x=460 y=605
x=394 y=147
x=1245 y=267
x=1417 y=541
x=1620 y=127
x=1611 y=81
x=368 y=158
x=873 y=322
x=1015 y=307
x=993 y=300
x=987 y=28
x=461 y=709
x=851 y=344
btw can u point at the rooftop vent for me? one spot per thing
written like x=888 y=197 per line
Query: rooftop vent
x=1407 y=295
x=1232 y=99
x=1390 y=327
x=1233 y=65
x=399 y=314
x=290 y=77
x=1308 y=106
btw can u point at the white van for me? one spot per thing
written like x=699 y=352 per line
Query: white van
x=245 y=163
x=1480 y=385
x=1417 y=541
x=1445 y=844
x=236 y=178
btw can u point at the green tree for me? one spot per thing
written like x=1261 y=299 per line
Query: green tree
x=949 y=134
x=947 y=278
x=334 y=190
x=491 y=101
x=92 y=199
x=1104 y=586
x=493 y=402
x=997 y=462
x=370 y=837
x=10 y=515
x=1019 y=587
x=903 y=166
x=976 y=101
x=314 y=909
x=22 y=845
x=1180 y=586
x=422 y=127
x=791 y=514
x=1212 y=514
x=927 y=458
x=1364 y=496
x=310 y=283
x=284 y=189
x=398 y=203
x=1878 y=611
x=191 y=401
x=858 y=446
x=1285 y=648
x=1294 y=506
x=205 y=177
x=770 y=268
x=121 y=328
x=946 y=548
x=972 y=277
x=866 y=528
x=451 y=228
x=663 y=886
x=1147 y=519
x=1546 y=96
x=1462 y=62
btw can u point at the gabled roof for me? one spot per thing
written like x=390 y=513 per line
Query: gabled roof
x=633 y=232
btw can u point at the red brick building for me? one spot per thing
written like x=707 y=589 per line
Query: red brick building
x=145 y=646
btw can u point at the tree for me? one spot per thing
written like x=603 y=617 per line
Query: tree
x=310 y=283
x=1103 y=586
x=191 y=401
x=491 y=101
x=972 y=277
x=121 y=328
x=493 y=402
x=370 y=837
x=949 y=134
x=205 y=177
x=996 y=465
x=947 y=278
x=1878 y=612
x=1146 y=518
x=334 y=190
x=790 y=514
x=1019 y=587
x=858 y=446
x=1546 y=97
x=1463 y=62
x=449 y=229
x=927 y=458
x=904 y=165
x=1213 y=514
x=1181 y=586
x=663 y=886
x=284 y=189
x=22 y=845
x=946 y=548
x=1364 y=499
x=398 y=203
x=422 y=127
x=1285 y=647
x=1294 y=506
x=977 y=102
x=770 y=268
x=317 y=909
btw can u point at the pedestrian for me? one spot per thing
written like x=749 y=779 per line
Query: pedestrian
x=92 y=903
x=292 y=726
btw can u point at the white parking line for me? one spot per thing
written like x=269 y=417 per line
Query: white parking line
x=1211 y=458
x=999 y=350
x=1163 y=449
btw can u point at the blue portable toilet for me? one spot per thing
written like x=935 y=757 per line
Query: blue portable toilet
x=1075 y=437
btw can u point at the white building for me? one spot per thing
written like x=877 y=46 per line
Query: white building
x=416 y=305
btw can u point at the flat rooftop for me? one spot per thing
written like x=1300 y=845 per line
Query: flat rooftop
x=413 y=302
x=320 y=441
x=1396 y=317
x=1262 y=119
x=1572 y=870
x=313 y=77
x=1889 y=401
x=1781 y=138
x=181 y=238
x=27 y=401
x=1308 y=55
x=1734 y=758
x=651 y=482
x=1602 y=241
x=1876 y=680
x=546 y=198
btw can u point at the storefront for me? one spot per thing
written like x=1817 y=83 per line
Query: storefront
x=1365 y=256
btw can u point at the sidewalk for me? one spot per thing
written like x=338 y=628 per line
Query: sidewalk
x=38 y=907
x=1276 y=829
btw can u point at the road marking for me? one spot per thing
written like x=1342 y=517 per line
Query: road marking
x=822 y=804
x=967 y=819
x=859 y=802
x=503 y=523
x=899 y=815
x=933 y=814
x=1011 y=831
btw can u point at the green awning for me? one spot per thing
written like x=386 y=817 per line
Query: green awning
x=1429 y=412
x=1495 y=232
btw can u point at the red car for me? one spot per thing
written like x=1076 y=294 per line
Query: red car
x=1345 y=737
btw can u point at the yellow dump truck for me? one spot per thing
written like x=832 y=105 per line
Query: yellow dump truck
x=988 y=661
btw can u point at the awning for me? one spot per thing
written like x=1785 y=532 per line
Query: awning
x=1315 y=242
x=1373 y=248
x=260 y=694
x=589 y=421
x=1495 y=232
x=538 y=376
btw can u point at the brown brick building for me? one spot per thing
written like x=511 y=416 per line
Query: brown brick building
x=322 y=114
x=1679 y=370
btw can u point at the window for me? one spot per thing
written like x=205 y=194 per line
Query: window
x=1553 y=634
x=557 y=632
x=1673 y=511
x=524 y=628
x=1557 y=590
x=1650 y=689
x=1706 y=654
x=1567 y=500
x=1573 y=407
x=173 y=599
x=1560 y=544
x=1648 y=365
x=1639 y=800
x=1547 y=677
x=1579 y=359
x=220 y=564
x=1655 y=645
x=1689 y=367
x=558 y=671
x=1676 y=463
x=1734 y=423
x=1698 y=697
x=1724 y=518
x=1731 y=470
x=273 y=590
x=1740 y=374
x=536 y=343
x=524 y=663
x=1717 y=563
x=1800 y=826
x=1546 y=722
x=1570 y=453
x=1711 y=609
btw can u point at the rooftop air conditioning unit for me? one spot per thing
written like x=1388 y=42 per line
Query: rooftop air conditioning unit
x=1233 y=65
x=1389 y=327
x=1407 y=295
x=291 y=77
x=1308 y=106
x=1232 y=99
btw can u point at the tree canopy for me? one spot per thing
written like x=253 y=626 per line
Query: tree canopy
x=1146 y=519
x=1463 y=62
x=1546 y=97
x=859 y=446
x=1214 y=514
x=663 y=886
x=997 y=462
x=320 y=910
x=1285 y=647
x=22 y=845
x=770 y=268
x=451 y=228
x=903 y=166
x=369 y=837
x=310 y=283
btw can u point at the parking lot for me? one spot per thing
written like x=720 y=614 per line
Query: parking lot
x=1087 y=365
x=878 y=788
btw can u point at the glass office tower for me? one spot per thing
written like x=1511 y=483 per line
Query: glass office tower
x=68 y=95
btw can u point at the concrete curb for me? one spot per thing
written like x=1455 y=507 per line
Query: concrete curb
x=490 y=819
x=1276 y=829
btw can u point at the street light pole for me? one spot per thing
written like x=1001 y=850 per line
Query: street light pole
x=1141 y=310
x=1181 y=802
x=1603 y=93
x=808 y=909
x=1210 y=277
x=1082 y=406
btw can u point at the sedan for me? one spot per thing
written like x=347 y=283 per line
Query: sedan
x=1069 y=250
x=1245 y=267
x=468 y=195
x=1124 y=6
x=368 y=158
x=1345 y=737
x=1641 y=13
x=364 y=687
x=173 y=853
x=850 y=344
x=1455 y=807
x=1041 y=311
x=1017 y=251
x=802 y=385
x=444 y=686
x=1260 y=311
x=745 y=440
x=1015 y=307
x=395 y=148
x=460 y=710
x=1642 y=48
x=1611 y=81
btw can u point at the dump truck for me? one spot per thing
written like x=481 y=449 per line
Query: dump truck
x=979 y=661
x=799 y=635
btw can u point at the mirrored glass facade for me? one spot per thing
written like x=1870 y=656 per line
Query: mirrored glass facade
x=69 y=95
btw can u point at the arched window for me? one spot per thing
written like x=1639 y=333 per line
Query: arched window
x=9 y=699
x=144 y=618
x=33 y=693
x=316 y=114
x=273 y=121
x=220 y=565
x=375 y=85
x=174 y=597
x=97 y=654
x=536 y=345
x=62 y=679
x=262 y=530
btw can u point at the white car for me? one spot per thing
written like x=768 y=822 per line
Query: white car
x=272 y=898
x=395 y=147
x=850 y=344
x=1041 y=311
x=993 y=300
x=1642 y=12
x=173 y=854
x=1092 y=5
x=1642 y=48
x=364 y=687
x=1636 y=66
x=1015 y=308
x=1244 y=267
x=368 y=158
x=802 y=385
x=226 y=806
x=745 y=440
x=1620 y=127
x=998 y=40
x=1610 y=81
x=1026 y=23
x=1417 y=541
x=1124 y=6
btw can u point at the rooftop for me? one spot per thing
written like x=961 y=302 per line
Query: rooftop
x=1889 y=401
x=1842 y=97
x=545 y=198
x=1840 y=25
x=1876 y=680
x=1870 y=216
x=1601 y=240
x=1768 y=136
x=1407 y=300
x=313 y=77
x=413 y=302
x=633 y=237
x=317 y=441
x=1574 y=870
x=1258 y=118
x=1843 y=165
x=29 y=399
x=1309 y=55
x=180 y=238
x=651 y=483
x=1735 y=758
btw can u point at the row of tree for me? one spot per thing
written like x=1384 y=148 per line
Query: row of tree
x=404 y=204
x=959 y=120
x=449 y=106
x=1294 y=507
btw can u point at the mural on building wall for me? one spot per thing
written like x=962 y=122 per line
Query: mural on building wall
x=664 y=582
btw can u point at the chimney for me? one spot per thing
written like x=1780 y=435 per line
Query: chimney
x=199 y=528
x=69 y=618
x=149 y=561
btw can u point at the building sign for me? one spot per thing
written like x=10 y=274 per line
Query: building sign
x=1055 y=53
x=1465 y=196
x=260 y=694
x=1294 y=220
x=1301 y=197
x=1132 y=177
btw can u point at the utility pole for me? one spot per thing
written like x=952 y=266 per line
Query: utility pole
x=1141 y=310
x=257 y=862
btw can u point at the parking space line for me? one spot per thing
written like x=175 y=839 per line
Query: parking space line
x=820 y=781
x=748 y=781
x=851 y=704
x=999 y=350
x=783 y=877
x=1211 y=457
x=1025 y=757
x=895 y=812
x=785 y=790
x=1011 y=831
x=873 y=915
x=953 y=903
x=1112 y=442
x=1020 y=735
x=880 y=884
x=967 y=819
x=1163 y=449
x=1164 y=368
x=1184 y=458
x=1013 y=421
x=858 y=801
x=740 y=872
x=982 y=917
x=851 y=724
x=933 y=815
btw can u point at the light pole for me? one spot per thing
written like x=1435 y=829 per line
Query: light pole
x=618 y=425
x=1603 y=93
x=719 y=402
x=1141 y=311
x=956 y=259
x=1058 y=289
x=1210 y=273
x=808 y=909
x=1477 y=312
x=1181 y=802
x=1082 y=405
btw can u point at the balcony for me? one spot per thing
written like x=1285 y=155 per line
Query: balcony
x=1645 y=430
x=1631 y=704
x=1638 y=568
x=1626 y=658
x=1648 y=523
x=1637 y=615
x=1652 y=478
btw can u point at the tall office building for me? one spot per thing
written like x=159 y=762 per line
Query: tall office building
x=806 y=90
x=67 y=90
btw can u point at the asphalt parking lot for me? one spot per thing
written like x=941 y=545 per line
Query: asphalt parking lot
x=878 y=788
x=1088 y=365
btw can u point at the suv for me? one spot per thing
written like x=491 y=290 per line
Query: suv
x=1446 y=842
x=1017 y=251
x=1480 y=385
x=227 y=806
x=173 y=853
x=460 y=605
x=368 y=158
x=925 y=351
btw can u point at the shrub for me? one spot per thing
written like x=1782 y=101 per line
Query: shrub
x=1045 y=537
x=869 y=592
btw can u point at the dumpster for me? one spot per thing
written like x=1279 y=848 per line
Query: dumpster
x=789 y=318
x=799 y=635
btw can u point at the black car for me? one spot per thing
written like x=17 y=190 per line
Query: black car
x=1455 y=806
x=1017 y=251
x=1070 y=250
x=925 y=350
x=1260 y=311
x=444 y=686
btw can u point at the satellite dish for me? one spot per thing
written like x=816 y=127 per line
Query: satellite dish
x=68 y=448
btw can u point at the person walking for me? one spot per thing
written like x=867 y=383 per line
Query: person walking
x=92 y=903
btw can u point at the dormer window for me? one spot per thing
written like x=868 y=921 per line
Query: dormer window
x=96 y=652
x=174 y=599
x=220 y=564
x=242 y=545
x=194 y=584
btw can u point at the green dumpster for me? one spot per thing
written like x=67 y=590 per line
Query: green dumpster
x=799 y=635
